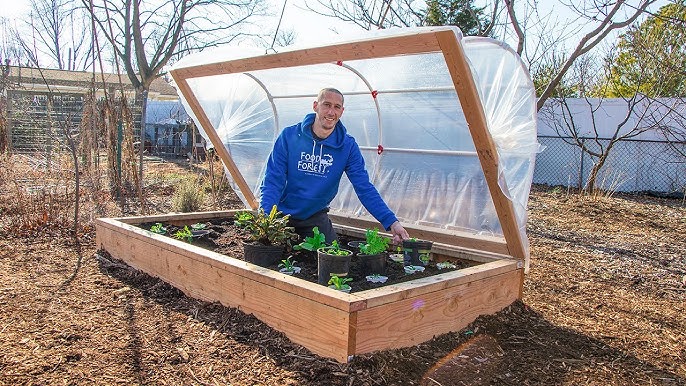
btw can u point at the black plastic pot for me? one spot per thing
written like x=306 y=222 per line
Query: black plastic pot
x=262 y=255
x=417 y=252
x=329 y=265
x=372 y=264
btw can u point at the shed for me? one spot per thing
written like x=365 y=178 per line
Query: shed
x=447 y=127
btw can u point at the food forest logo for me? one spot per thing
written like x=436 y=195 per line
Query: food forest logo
x=312 y=163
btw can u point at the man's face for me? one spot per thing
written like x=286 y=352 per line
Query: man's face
x=329 y=110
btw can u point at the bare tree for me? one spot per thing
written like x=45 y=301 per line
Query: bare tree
x=606 y=17
x=537 y=34
x=642 y=114
x=146 y=35
x=59 y=35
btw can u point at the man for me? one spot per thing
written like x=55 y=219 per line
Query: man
x=305 y=168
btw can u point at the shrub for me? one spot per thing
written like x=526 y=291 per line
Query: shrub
x=188 y=197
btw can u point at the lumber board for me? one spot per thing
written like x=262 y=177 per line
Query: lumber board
x=327 y=322
x=467 y=240
x=468 y=96
x=411 y=43
x=189 y=217
x=219 y=147
x=427 y=285
x=417 y=319
x=134 y=245
x=308 y=321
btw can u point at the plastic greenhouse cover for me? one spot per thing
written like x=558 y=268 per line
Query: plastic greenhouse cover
x=428 y=172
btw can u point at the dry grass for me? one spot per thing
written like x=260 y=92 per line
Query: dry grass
x=604 y=302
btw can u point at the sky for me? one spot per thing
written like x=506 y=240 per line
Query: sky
x=308 y=26
x=312 y=28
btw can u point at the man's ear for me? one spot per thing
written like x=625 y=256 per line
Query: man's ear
x=314 y=105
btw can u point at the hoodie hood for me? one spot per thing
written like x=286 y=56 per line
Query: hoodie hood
x=335 y=140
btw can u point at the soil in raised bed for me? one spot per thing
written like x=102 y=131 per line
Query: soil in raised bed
x=226 y=238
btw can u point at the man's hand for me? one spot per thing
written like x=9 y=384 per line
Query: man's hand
x=399 y=233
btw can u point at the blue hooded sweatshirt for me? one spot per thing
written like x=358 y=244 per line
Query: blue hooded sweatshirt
x=304 y=172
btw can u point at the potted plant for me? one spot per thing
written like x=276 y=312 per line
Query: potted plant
x=312 y=243
x=332 y=261
x=268 y=234
x=340 y=283
x=372 y=253
x=417 y=252
x=288 y=266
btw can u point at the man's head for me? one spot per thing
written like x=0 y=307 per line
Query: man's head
x=329 y=108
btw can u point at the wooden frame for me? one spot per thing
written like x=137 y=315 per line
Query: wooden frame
x=329 y=323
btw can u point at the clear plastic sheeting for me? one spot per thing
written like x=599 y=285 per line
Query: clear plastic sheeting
x=428 y=171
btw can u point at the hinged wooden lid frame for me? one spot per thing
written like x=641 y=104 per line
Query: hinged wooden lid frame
x=441 y=39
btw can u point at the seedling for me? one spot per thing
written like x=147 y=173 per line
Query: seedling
x=184 y=234
x=288 y=265
x=198 y=226
x=375 y=243
x=312 y=243
x=445 y=265
x=266 y=228
x=158 y=228
x=339 y=283
x=335 y=249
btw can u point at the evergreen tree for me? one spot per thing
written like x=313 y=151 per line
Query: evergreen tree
x=460 y=13
x=651 y=57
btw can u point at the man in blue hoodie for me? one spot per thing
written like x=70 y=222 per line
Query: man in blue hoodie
x=305 y=168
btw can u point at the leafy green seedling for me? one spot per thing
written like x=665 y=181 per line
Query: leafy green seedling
x=339 y=283
x=374 y=244
x=184 y=234
x=198 y=226
x=312 y=243
x=287 y=264
x=158 y=228
x=335 y=249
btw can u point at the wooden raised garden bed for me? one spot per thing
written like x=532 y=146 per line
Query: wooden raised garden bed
x=327 y=322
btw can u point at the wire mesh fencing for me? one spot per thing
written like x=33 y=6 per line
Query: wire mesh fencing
x=631 y=166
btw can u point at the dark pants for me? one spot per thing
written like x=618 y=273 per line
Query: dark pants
x=321 y=220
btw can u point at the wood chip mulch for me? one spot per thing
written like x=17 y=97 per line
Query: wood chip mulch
x=604 y=304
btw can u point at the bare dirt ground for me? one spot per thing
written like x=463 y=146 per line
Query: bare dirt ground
x=604 y=304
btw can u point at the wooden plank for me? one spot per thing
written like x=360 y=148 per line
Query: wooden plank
x=327 y=322
x=219 y=147
x=305 y=320
x=444 y=236
x=476 y=120
x=427 y=285
x=384 y=46
x=135 y=246
x=178 y=217
x=417 y=319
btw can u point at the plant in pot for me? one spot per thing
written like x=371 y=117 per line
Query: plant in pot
x=417 y=252
x=332 y=261
x=312 y=243
x=372 y=255
x=268 y=235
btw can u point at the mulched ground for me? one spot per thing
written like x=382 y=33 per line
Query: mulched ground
x=604 y=304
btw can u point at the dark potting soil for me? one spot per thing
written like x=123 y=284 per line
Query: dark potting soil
x=226 y=238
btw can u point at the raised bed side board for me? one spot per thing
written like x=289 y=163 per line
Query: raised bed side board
x=329 y=323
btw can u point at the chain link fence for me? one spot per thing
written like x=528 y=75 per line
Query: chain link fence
x=632 y=165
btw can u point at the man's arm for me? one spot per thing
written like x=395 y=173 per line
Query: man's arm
x=275 y=176
x=369 y=196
